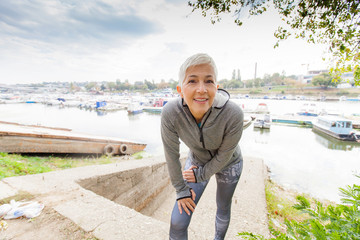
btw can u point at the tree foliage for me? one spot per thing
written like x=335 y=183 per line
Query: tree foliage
x=324 y=80
x=335 y=23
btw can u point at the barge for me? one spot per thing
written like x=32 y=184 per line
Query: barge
x=337 y=127
x=20 y=138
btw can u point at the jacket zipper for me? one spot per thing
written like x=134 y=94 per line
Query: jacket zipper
x=201 y=127
x=201 y=133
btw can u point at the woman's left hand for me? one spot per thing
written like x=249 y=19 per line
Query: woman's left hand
x=188 y=175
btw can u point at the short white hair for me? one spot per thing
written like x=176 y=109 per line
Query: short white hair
x=197 y=59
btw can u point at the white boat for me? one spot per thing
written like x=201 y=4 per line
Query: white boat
x=134 y=108
x=309 y=109
x=343 y=98
x=262 y=108
x=337 y=127
x=263 y=121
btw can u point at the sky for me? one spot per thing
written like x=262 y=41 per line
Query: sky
x=109 y=40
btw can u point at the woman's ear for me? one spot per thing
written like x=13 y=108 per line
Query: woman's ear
x=178 y=88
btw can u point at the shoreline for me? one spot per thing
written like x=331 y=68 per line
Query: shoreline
x=247 y=214
x=93 y=213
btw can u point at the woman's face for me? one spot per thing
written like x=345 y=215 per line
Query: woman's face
x=198 y=89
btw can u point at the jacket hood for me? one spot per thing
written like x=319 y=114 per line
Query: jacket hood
x=221 y=98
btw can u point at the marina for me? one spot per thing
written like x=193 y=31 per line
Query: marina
x=297 y=157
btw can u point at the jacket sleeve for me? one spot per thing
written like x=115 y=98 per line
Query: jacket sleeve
x=171 y=145
x=227 y=148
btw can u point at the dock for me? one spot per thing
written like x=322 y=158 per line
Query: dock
x=153 y=109
x=293 y=120
x=20 y=138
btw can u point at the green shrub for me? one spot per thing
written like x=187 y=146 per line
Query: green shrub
x=257 y=91
x=340 y=221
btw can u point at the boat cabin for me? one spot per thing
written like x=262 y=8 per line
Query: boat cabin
x=336 y=124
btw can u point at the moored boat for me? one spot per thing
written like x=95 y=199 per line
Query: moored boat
x=135 y=108
x=19 y=138
x=309 y=109
x=337 y=127
x=262 y=108
x=263 y=121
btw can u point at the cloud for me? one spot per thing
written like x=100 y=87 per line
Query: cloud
x=72 y=21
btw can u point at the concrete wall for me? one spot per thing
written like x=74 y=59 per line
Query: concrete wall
x=142 y=189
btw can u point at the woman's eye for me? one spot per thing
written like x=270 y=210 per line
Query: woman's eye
x=210 y=81
x=191 y=81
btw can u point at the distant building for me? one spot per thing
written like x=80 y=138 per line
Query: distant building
x=307 y=78
x=347 y=79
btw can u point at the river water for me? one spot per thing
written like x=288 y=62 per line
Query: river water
x=297 y=157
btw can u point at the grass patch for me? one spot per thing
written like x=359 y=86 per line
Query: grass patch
x=140 y=155
x=17 y=165
x=280 y=206
x=21 y=196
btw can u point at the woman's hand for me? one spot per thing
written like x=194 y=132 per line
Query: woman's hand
x=188 y=175
x=187 y=204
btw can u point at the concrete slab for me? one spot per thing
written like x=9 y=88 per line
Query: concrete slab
x=6 y=190
x=107 y=220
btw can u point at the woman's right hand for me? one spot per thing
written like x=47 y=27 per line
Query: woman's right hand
x=187 y=204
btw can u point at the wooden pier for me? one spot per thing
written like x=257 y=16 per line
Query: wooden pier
x=19 y=138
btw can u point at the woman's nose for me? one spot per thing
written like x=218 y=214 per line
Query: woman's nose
x=201 y=87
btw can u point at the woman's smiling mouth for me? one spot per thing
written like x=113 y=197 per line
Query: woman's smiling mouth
x=201 y=100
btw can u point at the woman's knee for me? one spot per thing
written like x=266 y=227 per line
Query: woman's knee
x=224 y=208
x=179 y=224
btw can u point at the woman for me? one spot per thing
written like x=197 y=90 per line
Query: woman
x=211 y=126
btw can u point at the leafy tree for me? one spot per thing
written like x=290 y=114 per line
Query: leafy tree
x=233 y=77
x=276 y=79
x=267 y=79
x=238 y=75
x=331 y=22
x=172 y=83
x=91 y=85
x=150 y=85
x=233 y=84
x=324 y=80
x=162 y=84
x=249 y=83
x=111 y=86
x=74 y=87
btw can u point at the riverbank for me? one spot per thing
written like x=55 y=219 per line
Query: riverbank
x=259 y=203
x=333 y=93
x=67 y=202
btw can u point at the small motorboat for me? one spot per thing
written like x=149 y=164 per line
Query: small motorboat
x=263 y=121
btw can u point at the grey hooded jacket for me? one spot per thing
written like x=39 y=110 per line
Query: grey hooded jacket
x=213 y=146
